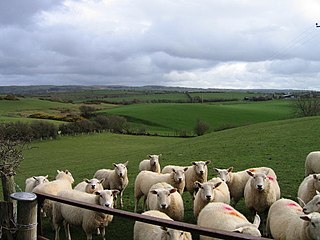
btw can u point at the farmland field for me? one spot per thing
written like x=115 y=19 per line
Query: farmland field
x=282 y=145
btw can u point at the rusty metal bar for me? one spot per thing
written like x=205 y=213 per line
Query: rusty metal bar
x=152 y=220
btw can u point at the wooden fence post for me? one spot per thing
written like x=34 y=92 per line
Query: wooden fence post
x=26 y=215
x=6 y=220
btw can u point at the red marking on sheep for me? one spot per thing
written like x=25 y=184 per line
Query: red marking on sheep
x=226 y=207
x=252 y=170
x=271 y=178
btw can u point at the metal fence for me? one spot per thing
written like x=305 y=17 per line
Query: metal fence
x=143 y=218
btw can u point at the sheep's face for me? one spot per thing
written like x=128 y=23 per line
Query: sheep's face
x=171 y=234
x=313 y=205
x=93 y=185
x=121 y=169
x=313 y=225
x=259 y=180
x=40 y=179
x=154 y=159
x=201 y=167
x=106 y=197
x=163 y=196
x=178 y=174
x=206 y=190
x=224 y=174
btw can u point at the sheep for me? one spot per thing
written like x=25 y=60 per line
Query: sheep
x=312 y=163
x=236 y=181
x=287 y=221
x=145 y=179
x=198 y=171
x=34 y=181
x=114 y=179
x=152 y=164
x=260 y=193
x=163 y=197
x=217 y=215
x=308 y=188
x=63 y=181
x=145 y=231
x=90 y=186
x=89 y=220
x=212 y=191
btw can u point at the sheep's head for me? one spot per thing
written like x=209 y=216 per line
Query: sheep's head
x=154 y=159
x=313 y=220
x=201 y=167
x=259 y=180
x=250 y=229
x=106 y=197
x=206 y=190
x=313 y=205
x=316 y=181
x=163 y=196
x=172 y=234
x=121 y=169
x=224 y=174
x=178 y=174
x=65 y=175
x=40 y=179
x=93 y=185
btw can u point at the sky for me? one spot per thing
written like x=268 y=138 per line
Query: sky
x=238 y=44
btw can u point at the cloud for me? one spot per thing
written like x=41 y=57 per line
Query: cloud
x=225 y=44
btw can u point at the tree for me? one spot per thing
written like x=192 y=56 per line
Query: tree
x=307 y=105
x=201 y=127
x=87 y=111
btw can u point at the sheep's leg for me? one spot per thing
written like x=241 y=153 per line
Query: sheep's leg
x=121 y=201
x=136 y=201
x=67 y=230
x=57 y=231
x=103 y=232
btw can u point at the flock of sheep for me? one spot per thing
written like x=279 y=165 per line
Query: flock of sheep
x=214 y=200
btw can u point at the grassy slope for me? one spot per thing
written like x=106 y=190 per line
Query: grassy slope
x=282 y=145
x=175 y=117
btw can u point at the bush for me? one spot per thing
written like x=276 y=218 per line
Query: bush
x=201 y=127
x=306 y=106
x=87 y=111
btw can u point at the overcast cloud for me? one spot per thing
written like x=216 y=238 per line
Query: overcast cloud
x=189 y=43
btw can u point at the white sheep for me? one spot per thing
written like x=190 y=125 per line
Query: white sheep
x=115 y=179
x=89 y=220
x=260 y=193
x=287 y=221
x=152 y=164
x=63 y=181
x=90 y=186
x=237 y=181
x=145 y=231
x=198 y=171
x=313 y=205
x=312 y=163
x=214 y=190
x=145 y=179
x=308 y=188
x=34 y=181
x=163 y=197
x=217 y=215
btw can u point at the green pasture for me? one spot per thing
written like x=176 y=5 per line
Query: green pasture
x=172 y=118
x=223 y=95
x=282 y=145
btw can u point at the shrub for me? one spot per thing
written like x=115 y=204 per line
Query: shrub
x=201 y=127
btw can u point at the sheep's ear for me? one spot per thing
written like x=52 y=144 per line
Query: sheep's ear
x=185 y=169
x=238 y=230
x=34 y=177
x=256 y=220
x=173 y=190
x=230 y=169
x=217 y=184
x=315 y=176
x=216 y=169
x=173 y=170
x=114 y=164
x=198 y=184
x=250 y=173
x=86 y=180
x=305 y=218
x=208 y=162
x=149 y=156
x=97 y=193
x=153 y=191
x=318 y=193
x=58 y=171
x=46 y=176
x=126 y=163
x=66 y=171
x=102 y=180
x=115 y=192
x=194 y=163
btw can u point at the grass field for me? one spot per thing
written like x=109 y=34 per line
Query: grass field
x=172 y=118
x=282 y=145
